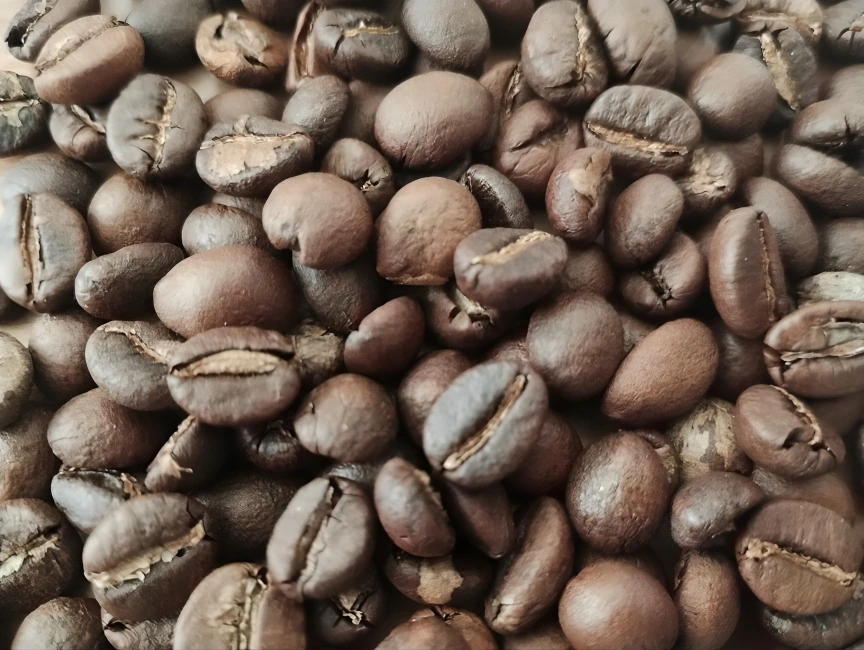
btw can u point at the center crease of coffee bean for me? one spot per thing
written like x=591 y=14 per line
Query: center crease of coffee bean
x=635 y=141
x=163 y=125
x=759 y=550
x=75 y=41
x=770 y=292
x=30 y=247
x=138 y=344
x=511 y=250
x=844 y=339
x=309 y=546
x=817 y=439
x=165 y=458
x=237 y=363
x=85 y=116
x=36 y=548
x=241 y=615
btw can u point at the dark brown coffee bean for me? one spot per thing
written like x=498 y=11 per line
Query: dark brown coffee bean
x=708 y=182
x=664 y=376
x=667 y=454
x=231 y=105
x=40 y=552
x=138 y=635
x=92 y=431
x=454 y=34
x=425 y=634
x=88 y=60
x=359 y=121
x=319 y=106
x=508 y=17
x=704 y=12
x=362 y=166
x=212 y=226
x=478 y=431
x=742 y=362
x=828 y=490
x=835 y=125
x=85 y=496
x=644 y=559
x=26 y=461
x=840 y=246
x=318 y=353
x=36 y=21
x=69 y=180
x=57 y=344
x=62 y=623
x=23 y=115
x=274 y=447
x=587 y=269
x=805 y=16
x=470 y=627
x=501 y=203
x=79 y=132
x=804 y=170
x=748 y=156
x=350 y=615
x=546 y=467
x=253 y=206
x=387 y=340
x=170 y=42
x=145 y=557
x=783 y=557
x=831 y=286
x=191 y=458
x=506 y=82
x=44 y=243
x=841 y=24
x=459 y=322
x=695 y=45
x=16 y=378
x=634 y=330
x=578 y=194
x=303 y=63
x=484 y=517
x=706 y=595
x=643 y=142
x=576 y=342
x=280 y=13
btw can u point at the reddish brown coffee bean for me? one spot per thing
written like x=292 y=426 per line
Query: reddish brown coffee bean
x=57 y=346
x=213 y=226
x=578 y=193
x=545 y=468
x=387 y=340
x=587 y=269
x=484 y=517
x=459 y=322
x=365 y=168
x=742 y=362
x=191 y=458
x=708 y=601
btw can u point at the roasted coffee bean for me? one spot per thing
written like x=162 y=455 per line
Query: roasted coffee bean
x=748 y=156
x=835 y=125
x=274 y=447
x=459 y=322
x=510 y=90
x=145 y=557
x=251 y=205
x=253 y=608
x=781 y=434
x=639 y=39
x=349 y=418
x=645 y=559
x=69 y=180
x=303 y=213
x=138 y=635
x=501 y=203
x=578 y=194
x=664 y=376
x=742 y=362
x=364 y=474
x=613 y=604
x=319 y=106
x=547 y=635
x=41 y=552
x=57 y=344
x=318 y=353
x=387 y=340
x=635 y=330
x=213 y=226
x=16 y=378
x=704 y=440
x=241 y=51
x=273 y=12
x=478 y=431
x=37 y=20
x=641 y=141
x=88 y=61
x=44 y=242
x=92 y=431
x=169 y=29
x=845 y=82
x=155 y=127
x=359 y=120
x=483 y=516
x=350 y=615
x=562 y=54
x=453 y=171
x=23 y=115
x=704 y=12
x=231 y=105
x=667 y=454
x=470 y=627
x=79 y=132
x=576 y=342
x=454 y=34
x=818 y=351
x=120 y=285
x=841 y=24
x=325 y=537
x=86 y=496
x=62 y=623
x=228 y=286
x=709 y=181
x=840 y=246
x=805 y=16
x=784 y=558
x=707 y=507
x=706 y=595
x=417 y=234
x=617 y=493
x=545 y=468
x=26 y=461
x=840 y=413
x=544 y=546
x=827 y=490
x=508 y=17
x=365 y=168
x=302 y=62
x=831 y=286
x=587 y=269
x=694 y=47
x=424 y=634
x=511 y=348
x=804 y=170
x=190 y=459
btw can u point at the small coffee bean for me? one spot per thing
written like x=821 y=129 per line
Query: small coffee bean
x=303 y=64
x=69 y=180
x=231 y=105
x=613 y=604
x=664 y=376
x=459 y=322
x=62 y=623
x=169 y=29
x=804 y=170
x=350 y=615
x=544 y=545
x=640 y=142
x=92 y=431
x=387 y=340
x=578 y=194
x=120 y=284
x=191 y=458
x=706 y=595
x=840 y=246
x=783 y=544
x=251 y=205
x=742 y=362
x=748 y=156
x=349 y=418
x=365 y=168
x=44 y=242
x=16 y=378
x=562 y=54
x=41 y=551
x=454 y=33
x=845 y=82
x=79 y=132
x=704 y=12
x=704 y=440
x=88 y=60
x=57 y=344
x=86 y=496
x=230 y=594
x=667 y=454
x=23 y=115
x=512 y=347
x=576 y=342
x=587 y=269
x=827 y=490
x=501 y=203
x=508 y=17
x=323 y=540
x=26 y=461
x=840 y=25
x=155 y=127
x=274 y=447
x=831 y=286
x=781 y=434
x=36 y=21
x=545 y=468
x=318 y=353
x=319 y=106
x=359 y=121
x=483 y=516
x=424 y=634
x=478 y=431
x=708 y=182
x=145 y=557
x=213 y=226
x=805 y=16
x=834 y=125
x=510 y=90
x=138 y=635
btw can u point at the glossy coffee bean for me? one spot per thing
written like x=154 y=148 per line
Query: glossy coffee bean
x=273 y=447
x=834 y=125
x=57 y=344
x=453 y=34
x=828 y=490
x=803 y=171
x=839 y=246
x=319 y=106
x=501 y=203
x=190 y=459
x=708 y=601
x=231 y=105
x=36 y=21
x=213 y=226
x=86 y=496
x=483 y=516
x=365 y=168
x=545 y=469
x=79 y=132
x=350 y=615
x=831 y=286
x=387 y=340
x=17 y=378
x=26 y=460
x=578 y=194
x=23 y=115
x=69 y=180
x=62 y=623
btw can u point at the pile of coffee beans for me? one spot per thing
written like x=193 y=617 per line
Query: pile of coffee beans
x=455 y=325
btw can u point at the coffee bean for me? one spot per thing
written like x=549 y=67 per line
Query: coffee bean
x=350 y=615
x=387 y=340
x=213 y=226
x=545 y=468
x=23 y=115
x=704 y=440
x=614 y=604
x=41 y=552
x=562 y=54
x=742 y=362
x=88 y=60
x=16 y=378
x=641 y=142
x=365 y=168
x=454 y=33
x=459 y=322
x=44 y=242
x=704 y=12
x=79 y=132
x=280 y=13
x=696 y=46
x=578 y=194
x=840 y=413
x=228 y=286
x=804 y=171
x=828 y=490
x=470 y=627
x=845 y=82
x=706 y=595
x=235 y=590
x=635 y=330
x=840 y=246
x=664 y=376
x=274 y=447
x=587 y=269
x=86 y=496
x=120 y=285
x=303 y=63
x=318 y=353
x=544 y=546
x=708 y=182
x=424 y=634
x=191 y=458
x=784 y=545
x=453 y=171
x=155 y=127
x=509 y=89
x=69 y=180
x=231 y=105
x=781 y=434
x=241 y=51
x=805 y=16
x=26 y=461
x=169 y=29
x=91 y=431
x=319 y=106
x=145 y=557
x=138 y=635
x=508 y=17
x=834 y=125
x=36 y=21
x=831 y=286
x=62 y=623
x=57 y=344
x=748 y=156
x=483 y=516
x=576 y=342
x=252 y=155
x=234 y=376
x=841 y=23
x=359 y=121
x=501 y=203
x=323 y=540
